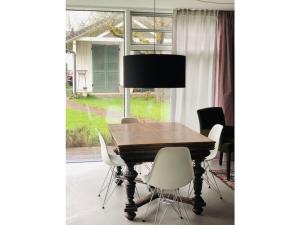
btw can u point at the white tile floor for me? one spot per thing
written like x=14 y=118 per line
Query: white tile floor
x=84 y=206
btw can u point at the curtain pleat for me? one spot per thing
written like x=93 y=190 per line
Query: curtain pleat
x=224 y=91
x=194 y=35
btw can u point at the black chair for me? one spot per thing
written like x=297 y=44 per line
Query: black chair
x=208 y=117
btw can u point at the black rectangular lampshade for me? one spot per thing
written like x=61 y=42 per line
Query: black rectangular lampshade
x=154 y=71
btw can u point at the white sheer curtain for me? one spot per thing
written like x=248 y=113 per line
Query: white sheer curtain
x=194 y=36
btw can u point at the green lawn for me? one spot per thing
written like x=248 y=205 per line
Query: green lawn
x=81 y=128
x=81 y=125
x=150 y=109
x=141 y=107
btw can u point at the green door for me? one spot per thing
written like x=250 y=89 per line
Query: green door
x=105 y=68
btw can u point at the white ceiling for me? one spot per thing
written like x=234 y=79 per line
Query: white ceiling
x=148 y=4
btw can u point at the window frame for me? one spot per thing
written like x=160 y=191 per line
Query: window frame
x=149 y=47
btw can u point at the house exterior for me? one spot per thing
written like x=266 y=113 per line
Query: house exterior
x=99 y=55
x=98 y=65
x=99 y=50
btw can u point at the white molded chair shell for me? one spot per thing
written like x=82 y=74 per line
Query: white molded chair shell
x=172 y=168
x=109 y=159
x=215 y=135
x=129 y=120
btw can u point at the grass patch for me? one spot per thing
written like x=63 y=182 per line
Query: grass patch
x=141 y=107
x=81 y=129
x=149 y=108
x=80 y=126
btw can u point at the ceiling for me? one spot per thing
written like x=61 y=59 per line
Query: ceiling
x=148 y=4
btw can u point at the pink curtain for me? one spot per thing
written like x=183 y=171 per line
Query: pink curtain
x=224 y=86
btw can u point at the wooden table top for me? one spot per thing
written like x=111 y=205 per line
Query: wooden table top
x=135 y=134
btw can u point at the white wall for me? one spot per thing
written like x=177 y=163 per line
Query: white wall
x=70 y=61
x=84 y=62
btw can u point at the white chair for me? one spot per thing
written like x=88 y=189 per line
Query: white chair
x=214 y=134
x=172 y=169
x=112 y=160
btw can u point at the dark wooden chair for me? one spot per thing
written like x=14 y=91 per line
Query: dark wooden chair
x=208 y=117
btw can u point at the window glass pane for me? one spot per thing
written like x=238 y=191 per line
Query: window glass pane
x=150 y=105
x=95 y=72
x=146 y=38
x=146 y=22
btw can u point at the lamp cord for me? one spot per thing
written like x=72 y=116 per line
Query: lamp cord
x=154 y=27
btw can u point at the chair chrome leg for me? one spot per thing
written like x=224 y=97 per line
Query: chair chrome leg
x=149 y=205
x=176 y=210
x=109 y=184
x=215 y=183
x=176 y=200
x=163 y=215
x=187 y=217
x=206 y=174
x=110 y=194
x=160 y=196
x=113 y=180
x=178 y=206
x=102 y=186
x=206 y=177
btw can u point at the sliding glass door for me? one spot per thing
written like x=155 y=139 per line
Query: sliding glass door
x=94 y=75
x=94 y=54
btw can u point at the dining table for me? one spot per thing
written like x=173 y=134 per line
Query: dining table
x=139 y=142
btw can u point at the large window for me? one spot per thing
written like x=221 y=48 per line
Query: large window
x=95 y=48
x=94 y=71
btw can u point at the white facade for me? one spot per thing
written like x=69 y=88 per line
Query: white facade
x=83 y=49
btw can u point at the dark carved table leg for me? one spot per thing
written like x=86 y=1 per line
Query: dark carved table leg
x=228 y=165
x=119 y=174
x=221 y=158
x=198 y=200
x=130 y=175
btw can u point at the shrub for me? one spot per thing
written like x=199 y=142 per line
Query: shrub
x=83 y=137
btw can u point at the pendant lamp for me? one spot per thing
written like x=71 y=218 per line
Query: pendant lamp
x=154 y=70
